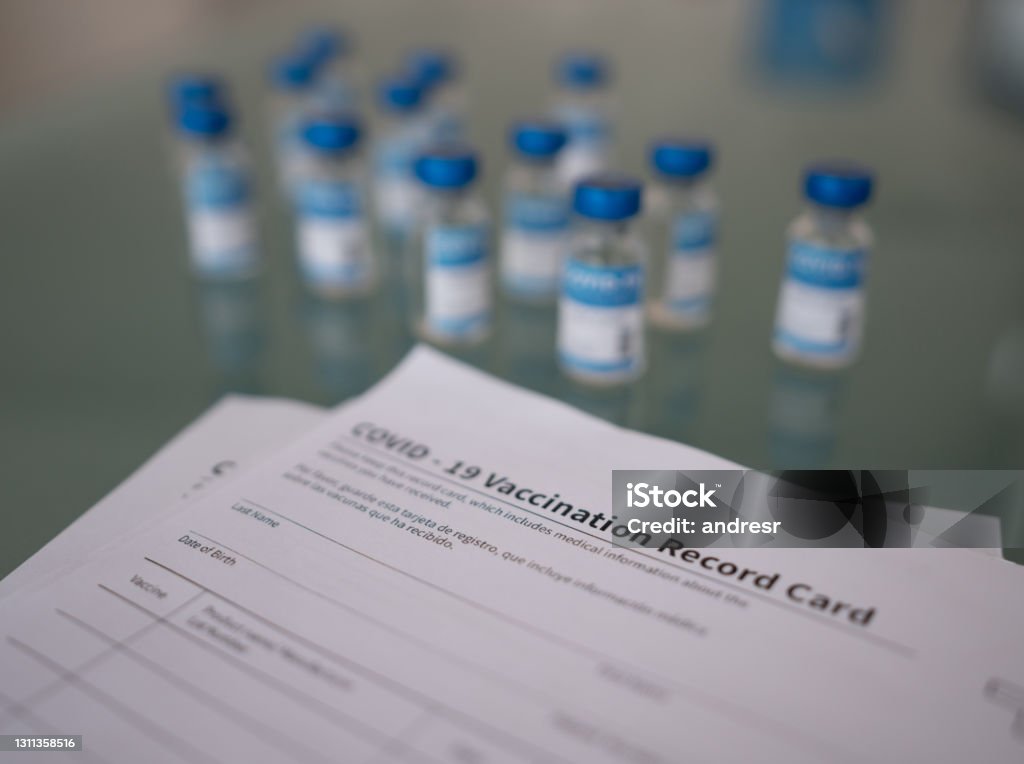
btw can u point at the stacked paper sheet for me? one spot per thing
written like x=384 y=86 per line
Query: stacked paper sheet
x=282 y=583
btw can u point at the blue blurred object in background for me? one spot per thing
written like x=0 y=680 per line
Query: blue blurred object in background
x=194 y=87
x=323 y=43
x=431 y=67
x=997 y=51
x=820 y=43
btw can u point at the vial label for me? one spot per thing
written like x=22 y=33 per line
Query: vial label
x=445 y=123
x=578 y=160
x=396 y=199
x=336 y=93
x=690 y=268
x=396 y=191
x=334 y=248
x=821 y=304
x=589 y=143
x=293 y=160
x=601 y=321
x=533 y=244
x=458 y=296
x=220 y=221
x=584 y=125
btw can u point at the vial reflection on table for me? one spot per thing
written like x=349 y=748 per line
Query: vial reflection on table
x=341 y=337
x=674 y=385
x=526 y=345
x=233 y=324
x=802 y=421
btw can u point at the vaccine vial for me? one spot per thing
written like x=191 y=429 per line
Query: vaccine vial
x=194 y=88
x=600 y=312
x=218 y=194
x=334 y=246
x=328 y=49
x=683 y=210
x=582 y=104
x=535 y=234
x=820 y=316
x=399 y=140
x=183 y=90
x=452 y=261
x=292 y=77
x=437 y=72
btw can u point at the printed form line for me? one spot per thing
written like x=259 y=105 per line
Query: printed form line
x=889 y=644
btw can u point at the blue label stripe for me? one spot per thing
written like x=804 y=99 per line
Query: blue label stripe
x=330 y=199
x=455 y=247
x=529 y=286
x=340 y=275
x=690 y=304
x=826 y=268
x=396 y=156
x=584 y=125
x=809 y=346
x=609 y=286
x=538 y=214
x=461 y=326
x=446 y=125
x=694 y=231
x=228 y=263
x=337 y=94
x=217 y=186
x=601 y=367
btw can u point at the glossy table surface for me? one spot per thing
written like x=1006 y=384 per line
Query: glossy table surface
x=109 y=347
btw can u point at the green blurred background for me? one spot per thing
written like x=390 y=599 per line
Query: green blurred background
x=109 y=347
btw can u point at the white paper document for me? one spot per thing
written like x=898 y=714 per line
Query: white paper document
x=429 y=576
x=217 y=447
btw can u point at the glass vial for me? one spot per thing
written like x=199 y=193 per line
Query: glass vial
x=535 y=234
x=452 y=257
x=334 y=245
x=601 y=315
x=684 y=216
x=819 y=320
x=217 y=187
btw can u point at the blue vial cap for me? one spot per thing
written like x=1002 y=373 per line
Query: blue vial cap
x=608 y=196
x=292 y=71
x=583 y=70
x=322 y=42
x=184 y=89
x=540 y=138
x=682 y=157
x=838 y=184
x=332 y=133
x=451 y=166
x=205 y=120
x=400 y=94
x=431 y=66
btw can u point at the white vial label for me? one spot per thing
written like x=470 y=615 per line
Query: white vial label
x=577 y=162
x=589 y=143
x=293 y=160
x=690 y=269
x=396 y=191
x=220 y=221
x=601 y=321
x=395 y=199
x=336 y=93
x=334 y=248
x=458 y=295
x=534 y=244
x=821 y=303
x=445 y=123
